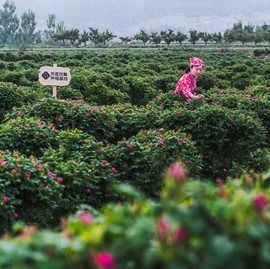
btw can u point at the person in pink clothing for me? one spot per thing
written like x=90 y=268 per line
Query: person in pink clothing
x=186 y=85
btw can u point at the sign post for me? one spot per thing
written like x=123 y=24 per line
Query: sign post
x=54 y=76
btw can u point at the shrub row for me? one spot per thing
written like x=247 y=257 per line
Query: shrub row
x=195 y=225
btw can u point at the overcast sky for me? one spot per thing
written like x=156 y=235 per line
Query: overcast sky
x=128 y=17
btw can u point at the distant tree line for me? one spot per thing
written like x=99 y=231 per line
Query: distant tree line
x=22 y=32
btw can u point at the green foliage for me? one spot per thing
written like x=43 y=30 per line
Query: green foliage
x=142 y=159
x=194 y=225
x=29 y=136
x=118 y=122
x=28 y=192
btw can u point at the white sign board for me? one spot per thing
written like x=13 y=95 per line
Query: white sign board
x=54 y=76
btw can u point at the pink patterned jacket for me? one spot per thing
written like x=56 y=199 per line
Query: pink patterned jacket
x=186 y=85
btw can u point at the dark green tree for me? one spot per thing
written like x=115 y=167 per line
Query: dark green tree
x=180 y=37
x=155 y=38
x=266 y=36
x=194 y=36
x=229 y=36
x=106 y=36
x=94 y=35
x=168 y=36
x=9 y=22
x=61 y=35
x=26 y=34
x=84 y=38
x=73 y=35
x=51 y=27
x=143 y=36
x=217 y=38
x=206 y=37
x=258 y=35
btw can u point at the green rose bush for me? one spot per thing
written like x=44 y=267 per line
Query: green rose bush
x=195 y=224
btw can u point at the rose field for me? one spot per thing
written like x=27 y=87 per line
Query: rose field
x=119 y=173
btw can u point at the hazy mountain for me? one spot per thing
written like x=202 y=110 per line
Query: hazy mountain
x=127 y=17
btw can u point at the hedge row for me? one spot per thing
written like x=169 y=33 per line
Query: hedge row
x=195 y=225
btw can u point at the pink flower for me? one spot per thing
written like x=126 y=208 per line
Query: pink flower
x=60 y=120
x=180 y=235
x=85 y=141
x=88 y=115
x=104 y=161
x=88 y=190
x=4 y=163
x=160 y=143
x=104 y=260
x=225 y=170
x=27 y=174
x=222 y=192
x=38 y=166
x=163 y=229
x=15 y=170
x=59 y=180
x=181 y=140
x=16 y=215
x=219 y=182
x=259 y=202
x=5 y=198
x=113 y=169
x=177 y=172
x=100 y=143
x=163 y=225
x=53 y=175
x=86 y=218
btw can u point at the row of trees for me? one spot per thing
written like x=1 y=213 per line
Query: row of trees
x=23 y=32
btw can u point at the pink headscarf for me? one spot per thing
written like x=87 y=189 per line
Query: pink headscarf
x=196 y=61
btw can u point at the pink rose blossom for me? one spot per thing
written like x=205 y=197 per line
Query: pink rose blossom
x=16 y=215
x=59 y=180
x=163 y=225
x=180 y=235
x=53 y=175
x=163 y=229
x=86 y=218
x=15 y=170
x=222 y=192
x=113 y=169
x=259 y=202
x=88 y=190
x=104 y=260
x=181 y=140
x=5 y=198
x=27 y=174
x=38 y=166
x=4 y=163
x=160 y=143
x=177 y=172
x=104 y=161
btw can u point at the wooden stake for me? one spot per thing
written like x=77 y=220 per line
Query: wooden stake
x=54 y=95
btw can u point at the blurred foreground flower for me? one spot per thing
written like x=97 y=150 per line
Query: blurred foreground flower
x=177 y=172
x=104 y=260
